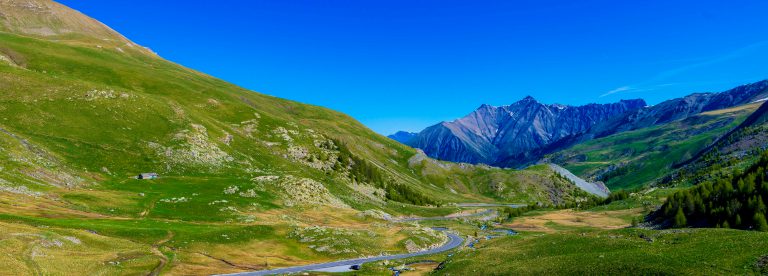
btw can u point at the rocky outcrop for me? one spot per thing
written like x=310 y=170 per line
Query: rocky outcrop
x=505 y=135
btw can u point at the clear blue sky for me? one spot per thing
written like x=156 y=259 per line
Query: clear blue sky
x=408 y=64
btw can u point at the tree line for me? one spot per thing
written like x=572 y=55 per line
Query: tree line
x=734 y=200
x=362 y=171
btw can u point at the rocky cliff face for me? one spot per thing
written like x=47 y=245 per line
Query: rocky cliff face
x=502 y=135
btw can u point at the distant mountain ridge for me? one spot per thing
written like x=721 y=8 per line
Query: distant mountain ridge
x=523 y=132
x=492 y=134
x=403 y=136
x=681 y=108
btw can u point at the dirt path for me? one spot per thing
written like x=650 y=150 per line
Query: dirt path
x=149 y=208
x=163 y=259
x=29 y=258
x=246 y=267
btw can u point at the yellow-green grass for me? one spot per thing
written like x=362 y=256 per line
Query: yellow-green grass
x=38 y=250
x=624 y=251
x=213 y=247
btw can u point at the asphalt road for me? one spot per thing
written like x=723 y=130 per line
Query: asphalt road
x=483 y=213
x=453 y=242
x=463 y=205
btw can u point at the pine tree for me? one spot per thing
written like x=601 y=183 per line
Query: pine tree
x=680 y=220
x=760 y=223
x=741 y=186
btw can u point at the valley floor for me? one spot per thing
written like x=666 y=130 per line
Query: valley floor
x=600 y=240
x=597 y=241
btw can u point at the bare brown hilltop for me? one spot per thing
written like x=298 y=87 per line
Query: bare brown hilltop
x=50 y=20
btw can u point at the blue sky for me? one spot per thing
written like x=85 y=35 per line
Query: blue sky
x=404 y=65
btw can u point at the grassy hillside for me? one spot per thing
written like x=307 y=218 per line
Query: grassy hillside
x=247 y=181
x=617 y=252
x=536 y=184
x=636 y=158
x=240 y=171
x=733 y=152
x=112 y=115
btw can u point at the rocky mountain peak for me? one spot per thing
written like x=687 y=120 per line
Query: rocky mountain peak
x=637 y=103
x=486 y=106
x=493 y=134
x=527 y=101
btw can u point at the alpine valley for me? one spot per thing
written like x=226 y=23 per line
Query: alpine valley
x=115 y=161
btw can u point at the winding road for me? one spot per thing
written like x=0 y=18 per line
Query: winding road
x=453 y=242
x=483 y=213
x=461 y=205
x=489 y=205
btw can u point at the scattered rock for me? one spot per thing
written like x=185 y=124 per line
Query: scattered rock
x=228 y=138
x=762 y=264
x=217 y=202
x=646 y=237
x=195 y=148
x=250 y=193
x=305 y=191
x=72 y=239
x=51 y=243
x=175 y=200
x=231 y=190
x=283 y=133
x=21 y=190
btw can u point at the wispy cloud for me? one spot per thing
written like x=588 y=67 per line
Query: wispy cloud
x=617 y=90
x=628 y=89
x=741 y=52
x=649 y=85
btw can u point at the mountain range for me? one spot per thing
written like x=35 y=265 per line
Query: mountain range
x=524 y=132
